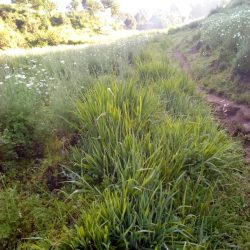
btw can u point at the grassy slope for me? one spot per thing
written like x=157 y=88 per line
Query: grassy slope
x=218 y=51
x=148 y=167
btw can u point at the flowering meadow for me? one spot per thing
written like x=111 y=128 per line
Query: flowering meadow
x=230 y=30
x=111 y=147
x=218 y=50
x=231 y=25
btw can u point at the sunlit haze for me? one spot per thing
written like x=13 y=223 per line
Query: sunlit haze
x=149 y=6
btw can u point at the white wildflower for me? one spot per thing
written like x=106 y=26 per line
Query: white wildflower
x=29 y=84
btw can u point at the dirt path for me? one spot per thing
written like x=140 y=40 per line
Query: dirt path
x=234 y=117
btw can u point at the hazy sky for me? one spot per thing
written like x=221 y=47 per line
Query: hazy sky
x=134 y=5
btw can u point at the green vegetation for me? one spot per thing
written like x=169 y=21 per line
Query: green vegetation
x=38 y=23
x=218 y=50
x=111 y=147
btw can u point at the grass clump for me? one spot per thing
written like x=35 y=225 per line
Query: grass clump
x=156 y=174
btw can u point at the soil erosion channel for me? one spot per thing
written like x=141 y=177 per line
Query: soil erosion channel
x=234 y=117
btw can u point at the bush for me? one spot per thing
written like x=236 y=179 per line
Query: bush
x=16 y=138
x=10 y=38
x=57 y=20
x=53 y=37
x=20 y=125
x=84 y=20
x=6 y=39
x=242 y=63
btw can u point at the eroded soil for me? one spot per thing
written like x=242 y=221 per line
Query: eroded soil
x=234 y=117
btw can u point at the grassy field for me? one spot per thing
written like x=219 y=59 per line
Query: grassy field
x=217 y=49
x=111 y=147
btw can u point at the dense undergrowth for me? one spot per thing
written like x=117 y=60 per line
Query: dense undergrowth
x=218 y=50
x=113 y=148
x=27 y=24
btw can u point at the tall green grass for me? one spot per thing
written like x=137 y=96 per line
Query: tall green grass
x=158 y=170
x=150 y=168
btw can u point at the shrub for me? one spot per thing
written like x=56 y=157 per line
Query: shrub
x=84 y=20
x=6 y=39
x=242 y=63
x=57 y=20
x=21 y=129
x=10 y=38
x=53 y=37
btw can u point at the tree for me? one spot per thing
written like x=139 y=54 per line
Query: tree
x=46 y=5
x=92 y=6
x=111 y=4
x=130 y=22
x=75 y=5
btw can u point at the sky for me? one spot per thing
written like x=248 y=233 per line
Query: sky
x=132 y=6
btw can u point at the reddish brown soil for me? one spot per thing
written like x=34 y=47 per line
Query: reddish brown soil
x=234 y=117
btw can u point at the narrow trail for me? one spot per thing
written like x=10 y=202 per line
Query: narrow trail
x=234 y=117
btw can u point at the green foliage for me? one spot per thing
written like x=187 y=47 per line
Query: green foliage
x=113 y=4
x=46 y=5
x=59 y=19
x=92 y=6
x=9 y=217
x=30 y=25
x=137 y=159
x=24 y=216
x=22 y=129
x=217 y=50
x=242 y=64
x=75 y=5
x=9 y=38
x=146 y=166
x=84 y=20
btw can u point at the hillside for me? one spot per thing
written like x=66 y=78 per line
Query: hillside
x=217 y=49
